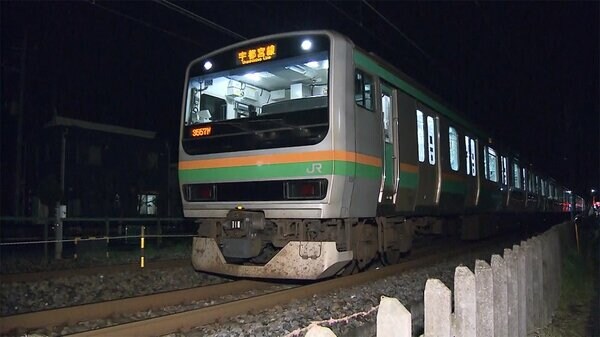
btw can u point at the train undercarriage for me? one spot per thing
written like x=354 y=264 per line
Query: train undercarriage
x=246 y=244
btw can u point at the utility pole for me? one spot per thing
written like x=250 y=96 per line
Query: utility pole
x=20 y=112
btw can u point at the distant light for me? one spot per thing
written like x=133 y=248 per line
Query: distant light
x=593 y=190
x=207 y=65
x=252 y=76
x=306 y=45
x=568 y=192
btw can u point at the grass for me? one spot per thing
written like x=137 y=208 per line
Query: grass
x=576 y=306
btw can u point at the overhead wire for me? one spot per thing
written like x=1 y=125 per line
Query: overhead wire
x=399 y=31
x=144 y=23
x=200 y=19
x=351 y=18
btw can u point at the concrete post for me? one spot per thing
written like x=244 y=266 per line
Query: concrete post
x=393 y=320
x=438 y=309
x=512 y=290
x=500 y=296
x=485 y=298
x=538 y=281
x=548 y=278
x=528 y=254
x=557 y=268
x=522 y=279
x=465 y=306
x=319 y=331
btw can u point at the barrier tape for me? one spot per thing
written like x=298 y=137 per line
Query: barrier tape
x=95 y=239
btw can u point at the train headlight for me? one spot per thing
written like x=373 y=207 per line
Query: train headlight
x=306 y=45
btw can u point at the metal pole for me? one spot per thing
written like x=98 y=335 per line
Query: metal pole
x=58 y=233
x=21 y=110
x=142 y=247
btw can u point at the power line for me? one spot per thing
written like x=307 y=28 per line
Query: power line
x=384 y=43
x=200 y=19
x=144 y=23
x=413 y=43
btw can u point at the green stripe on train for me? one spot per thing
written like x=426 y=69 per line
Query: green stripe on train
x=276 y=171
x=410 y=180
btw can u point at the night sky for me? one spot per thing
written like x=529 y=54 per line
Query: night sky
x=526 y=72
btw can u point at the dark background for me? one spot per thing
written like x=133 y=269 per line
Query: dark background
x=526 y=72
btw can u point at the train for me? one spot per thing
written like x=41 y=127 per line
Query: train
x=302 y=156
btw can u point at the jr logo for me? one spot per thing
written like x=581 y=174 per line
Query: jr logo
x=315 y=168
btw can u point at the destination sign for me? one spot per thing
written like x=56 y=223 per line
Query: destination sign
x=257 y=54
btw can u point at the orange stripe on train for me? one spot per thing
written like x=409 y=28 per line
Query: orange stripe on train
x=280 y=158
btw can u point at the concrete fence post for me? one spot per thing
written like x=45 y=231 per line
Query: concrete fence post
x=500 y=296
x=438 y=309
x=557 y=268
x=528 y=254
x=393 y=320
x=549 y=278
x=319 y=331
x=465 y=306
x=538 y=281
x=522 y=279
x=485 y=298
x=512 y=290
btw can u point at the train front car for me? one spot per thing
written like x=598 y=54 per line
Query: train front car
x=267 y=160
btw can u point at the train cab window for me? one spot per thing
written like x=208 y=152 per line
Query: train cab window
x=363 y=90
x=420 y=136
x=504 y=162
x=453 y=141
x=490 y=160
x=471 y=159
x=516 y=176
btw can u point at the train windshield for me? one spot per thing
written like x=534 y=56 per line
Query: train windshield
x=258 y=105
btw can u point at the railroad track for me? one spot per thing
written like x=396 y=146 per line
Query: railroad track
x=115 y=308
x=183 y=321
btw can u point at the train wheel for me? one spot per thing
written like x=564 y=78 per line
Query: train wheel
x=350 y=269
x=390 y=257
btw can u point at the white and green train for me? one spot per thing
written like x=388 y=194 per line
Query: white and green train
x=302 y=155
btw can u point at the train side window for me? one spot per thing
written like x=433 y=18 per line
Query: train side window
x=421 y=136
x=504 y=161
x=491 y=164
x=363 y=90
x=386 y=108
x=516 y=176
x=471 y=156
x=453 y=141
x=430 y=139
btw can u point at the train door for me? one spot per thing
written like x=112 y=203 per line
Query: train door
x=389 y=115
x=471 y=152
x=428 y=191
